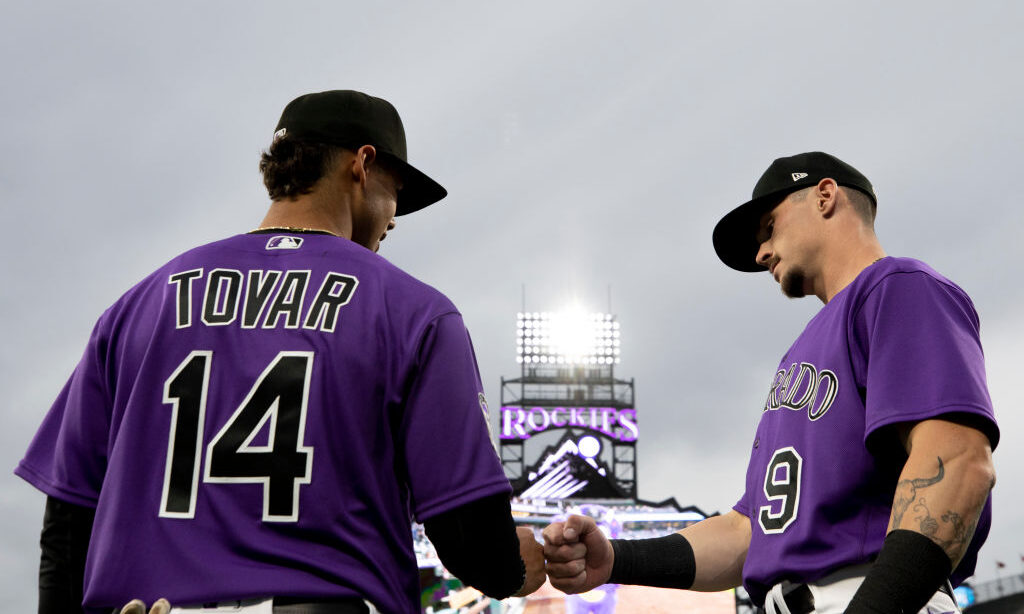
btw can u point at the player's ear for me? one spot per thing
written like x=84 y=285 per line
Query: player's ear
x=825 y=194
x=362 y=161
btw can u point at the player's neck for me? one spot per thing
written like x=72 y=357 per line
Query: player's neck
x=307 y=211
x=846 y=264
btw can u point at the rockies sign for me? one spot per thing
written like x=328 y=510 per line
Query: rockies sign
x=519 y=423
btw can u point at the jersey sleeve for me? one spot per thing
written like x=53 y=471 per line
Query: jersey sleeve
x=67 y=458
x=919 y=337
x=448 y=454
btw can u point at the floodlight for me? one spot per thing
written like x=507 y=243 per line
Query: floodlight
x=567 y=337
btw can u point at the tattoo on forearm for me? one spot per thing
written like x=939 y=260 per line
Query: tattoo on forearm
x=906 y=492
x=960 y=532
x=951 y=523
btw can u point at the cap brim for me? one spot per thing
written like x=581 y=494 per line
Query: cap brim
x=735 y=235
x=418 y=190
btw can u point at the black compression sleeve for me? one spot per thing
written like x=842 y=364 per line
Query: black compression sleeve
x=910 y=568
x=478 y=543
x=666 y=561
x=64 y=542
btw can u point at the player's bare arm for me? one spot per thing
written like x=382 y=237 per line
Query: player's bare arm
x=709 y=557
x=720 y=546
x=939 y=498
x=944 y=483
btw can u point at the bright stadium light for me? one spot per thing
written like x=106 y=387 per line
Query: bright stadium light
x=569 y=337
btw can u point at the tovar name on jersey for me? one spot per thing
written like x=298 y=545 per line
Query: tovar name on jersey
x=802 y=387
x=262 y=299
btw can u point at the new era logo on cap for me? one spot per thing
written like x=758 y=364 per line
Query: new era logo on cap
x=798 y=176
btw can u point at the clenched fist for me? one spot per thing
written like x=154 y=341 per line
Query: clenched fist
x=579 y=555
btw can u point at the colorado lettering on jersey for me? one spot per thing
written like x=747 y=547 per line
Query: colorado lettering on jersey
x=802 y=387
x=267 y=299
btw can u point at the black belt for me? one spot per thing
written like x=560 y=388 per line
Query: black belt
x=799 y=599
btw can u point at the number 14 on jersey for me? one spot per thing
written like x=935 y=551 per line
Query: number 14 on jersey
x=278 y=397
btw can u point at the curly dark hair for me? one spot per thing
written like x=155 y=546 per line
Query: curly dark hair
x=291 y=169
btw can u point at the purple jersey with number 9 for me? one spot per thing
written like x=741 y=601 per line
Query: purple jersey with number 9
x=899 y=344
x=263 y=416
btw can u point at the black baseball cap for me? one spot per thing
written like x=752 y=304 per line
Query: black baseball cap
x=351 y=119
x=735 y=235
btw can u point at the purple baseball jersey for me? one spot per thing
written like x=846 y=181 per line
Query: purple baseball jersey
x=263 y=416
x=899 y=344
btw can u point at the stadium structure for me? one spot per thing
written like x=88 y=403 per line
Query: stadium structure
x=1004 y=595
x=568 y=431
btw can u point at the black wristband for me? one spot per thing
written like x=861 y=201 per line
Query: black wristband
x=660 y=561
x=909 y=570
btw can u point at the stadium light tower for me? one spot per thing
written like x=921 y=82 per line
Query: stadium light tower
x=567 y=385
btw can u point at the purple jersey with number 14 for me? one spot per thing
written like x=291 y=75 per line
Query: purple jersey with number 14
x=899 y=344
x=262 y=416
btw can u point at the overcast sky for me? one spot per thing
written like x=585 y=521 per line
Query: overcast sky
x=584 y=144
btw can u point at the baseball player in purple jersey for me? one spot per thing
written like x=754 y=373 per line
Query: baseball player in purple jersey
x=255 y=424
x=870 y=469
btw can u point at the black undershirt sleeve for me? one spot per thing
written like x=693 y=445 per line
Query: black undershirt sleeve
x=478 y=543
x=64 y=542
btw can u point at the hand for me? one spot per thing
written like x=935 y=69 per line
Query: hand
x=137 y=606
x=533 y=558
x=579 y=555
